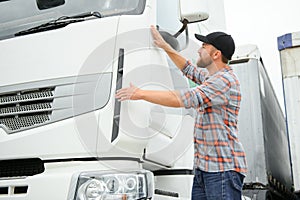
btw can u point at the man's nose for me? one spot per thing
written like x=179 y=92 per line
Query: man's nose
x=200 y=50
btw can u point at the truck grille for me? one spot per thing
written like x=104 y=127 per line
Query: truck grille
x=33 y=104
x=26 y=109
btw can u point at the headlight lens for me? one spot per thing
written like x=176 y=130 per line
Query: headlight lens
x=94 y=188
x=112 y=185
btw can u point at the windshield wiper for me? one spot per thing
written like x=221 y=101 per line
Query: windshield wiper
x=59 y=23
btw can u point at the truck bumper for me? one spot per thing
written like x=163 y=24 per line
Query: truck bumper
x=58 y=181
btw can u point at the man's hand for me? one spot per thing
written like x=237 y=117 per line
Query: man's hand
x=129 y=93
x=158 y=39
x=179 y=60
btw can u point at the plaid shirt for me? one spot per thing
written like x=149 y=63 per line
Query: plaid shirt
x=217 y=102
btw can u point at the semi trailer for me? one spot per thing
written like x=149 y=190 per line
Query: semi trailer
x=288 y=47
x=262 y=130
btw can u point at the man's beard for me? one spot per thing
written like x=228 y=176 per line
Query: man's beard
x=203 y=63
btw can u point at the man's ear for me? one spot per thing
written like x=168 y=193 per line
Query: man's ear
x=217 y=54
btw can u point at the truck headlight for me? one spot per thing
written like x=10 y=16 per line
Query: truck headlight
x=112 y=185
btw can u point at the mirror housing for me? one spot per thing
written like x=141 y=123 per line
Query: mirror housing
x=170 y=39
x=193 y=10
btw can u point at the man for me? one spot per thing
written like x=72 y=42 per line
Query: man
x=219 y=161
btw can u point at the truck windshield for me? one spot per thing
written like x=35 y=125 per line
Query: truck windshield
x=18 y=15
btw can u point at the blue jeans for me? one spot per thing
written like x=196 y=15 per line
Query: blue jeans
x=217 y=185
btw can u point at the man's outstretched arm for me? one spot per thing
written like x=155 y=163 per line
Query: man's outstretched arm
x=164 y=98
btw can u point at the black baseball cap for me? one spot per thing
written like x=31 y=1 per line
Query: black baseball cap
x=220 y=41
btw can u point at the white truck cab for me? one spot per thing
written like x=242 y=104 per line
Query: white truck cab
x=63 y=135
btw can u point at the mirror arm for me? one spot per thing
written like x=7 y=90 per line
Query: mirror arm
x=187 y=37
x=184 y=25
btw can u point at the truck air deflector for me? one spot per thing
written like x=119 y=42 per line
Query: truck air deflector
x=117 y=110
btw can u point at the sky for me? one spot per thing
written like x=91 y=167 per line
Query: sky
x=261 y=22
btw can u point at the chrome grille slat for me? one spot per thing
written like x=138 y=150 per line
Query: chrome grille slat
x=19 y=98
x=23 y=122
x=26 y=100
x=26 y=108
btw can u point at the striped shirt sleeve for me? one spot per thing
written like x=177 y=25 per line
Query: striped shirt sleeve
x=193 y=73
x=214 y=91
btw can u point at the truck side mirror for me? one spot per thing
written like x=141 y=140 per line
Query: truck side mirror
x=193 y=10
x=46 y=4
x=171 y=40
